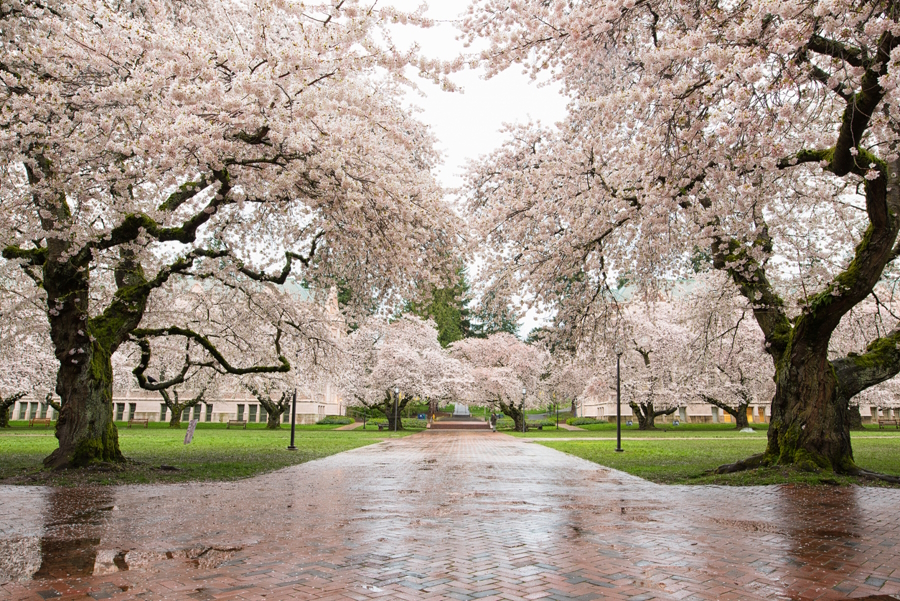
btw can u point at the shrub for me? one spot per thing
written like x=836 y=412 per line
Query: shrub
x=335 y=420
x=582 y=421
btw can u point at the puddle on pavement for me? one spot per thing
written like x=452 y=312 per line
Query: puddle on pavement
x=69 y=543
x=74 y=520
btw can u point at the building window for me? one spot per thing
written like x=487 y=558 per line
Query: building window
x=285 y=417
x=263 y=414
x=252 y=413
x=44 y=410
x=208 y=412
x=34 y=410
x=132 y=409
x=185 y=414
x=23 y=410
x=162 y=412
x=120 y=411
x=240 y=414
x=197 y=412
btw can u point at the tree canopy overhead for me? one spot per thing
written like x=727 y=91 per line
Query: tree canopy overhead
x=144 y=142
x=760 y=136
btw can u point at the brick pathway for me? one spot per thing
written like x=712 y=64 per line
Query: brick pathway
x=449 y=515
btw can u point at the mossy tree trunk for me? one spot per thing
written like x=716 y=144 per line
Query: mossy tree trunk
x=810 y=424
x=84 y=348
x=6 y=405
x=513 y=412
x=85 y=339
x=646 y=414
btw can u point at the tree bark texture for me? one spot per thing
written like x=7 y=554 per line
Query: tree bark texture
x=810 y=424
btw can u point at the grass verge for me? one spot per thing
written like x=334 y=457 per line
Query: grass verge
x=683 y=458
x=214 y=454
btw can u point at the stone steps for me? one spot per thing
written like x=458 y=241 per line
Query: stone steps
x=450 y=424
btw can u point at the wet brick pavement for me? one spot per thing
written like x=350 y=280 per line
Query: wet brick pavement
x=449 y=515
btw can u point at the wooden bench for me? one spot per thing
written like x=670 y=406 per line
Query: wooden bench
x=889 y=422
x=534 y=427
x=236 y=422
x=383 y=426
x=145 y=422
x=40 y=420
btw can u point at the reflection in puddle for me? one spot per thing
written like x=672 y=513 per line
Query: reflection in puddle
x=74 y=519
x=68 y=539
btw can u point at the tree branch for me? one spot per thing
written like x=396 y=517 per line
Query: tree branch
x=283 y=366
x=880 y=362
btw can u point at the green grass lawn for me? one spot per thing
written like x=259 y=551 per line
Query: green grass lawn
x=682 y=455
x=215 y=453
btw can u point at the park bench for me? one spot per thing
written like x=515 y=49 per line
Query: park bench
x=40 y=420
x=383 y=426
x=534 y=427
x=236 y=422
x=889 y=422
x=145 y=422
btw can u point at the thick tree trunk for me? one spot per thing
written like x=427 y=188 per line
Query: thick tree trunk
x=740 y=417
x=810 y=425
x=512 y=411
x=855 y=418
x=85 y=427
x=6 y=408
x=647 y=415
x=387 y=407
x=273 y=421
x=175 y=420
x=646 y=419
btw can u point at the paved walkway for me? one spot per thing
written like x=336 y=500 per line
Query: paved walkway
x=449 y=515
x=570 y=428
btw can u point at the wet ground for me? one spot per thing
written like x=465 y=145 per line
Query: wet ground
x=448 y=515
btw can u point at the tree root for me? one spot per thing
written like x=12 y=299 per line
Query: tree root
x=875 y=476
x=749 y=463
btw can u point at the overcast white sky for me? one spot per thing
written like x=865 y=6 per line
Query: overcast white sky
x=467 y=124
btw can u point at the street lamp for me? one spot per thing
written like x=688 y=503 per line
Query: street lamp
x=619 y=351
x=522 y=408
x=396 y=395
x=293 y=420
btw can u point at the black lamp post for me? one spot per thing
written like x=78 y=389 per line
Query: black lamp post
x=618 y=403
x=293 y=420
x=396 y=404
x=522 y=408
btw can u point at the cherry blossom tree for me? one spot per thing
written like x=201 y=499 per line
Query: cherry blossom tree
x=501 y=367
x=568 y=378
x=147 y=142
x=26 y=364
x=727 y=364
x=394 y=362
x=757 y=138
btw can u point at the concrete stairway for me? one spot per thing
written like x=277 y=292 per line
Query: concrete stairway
x=458 y=422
